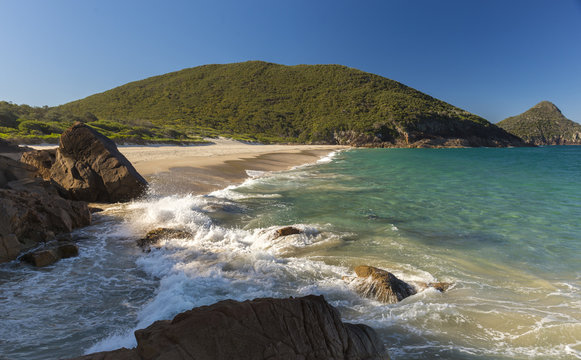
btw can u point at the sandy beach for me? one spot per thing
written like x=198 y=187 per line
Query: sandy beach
x=204 y=168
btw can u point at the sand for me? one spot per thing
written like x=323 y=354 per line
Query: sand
x=201 y=169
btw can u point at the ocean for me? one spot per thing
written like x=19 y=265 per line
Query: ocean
x=502 y=225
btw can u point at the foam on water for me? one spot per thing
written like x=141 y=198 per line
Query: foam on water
x=218 y=263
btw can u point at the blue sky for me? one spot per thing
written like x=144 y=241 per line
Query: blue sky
x=491 y=57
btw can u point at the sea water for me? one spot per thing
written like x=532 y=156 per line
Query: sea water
x=502 y=225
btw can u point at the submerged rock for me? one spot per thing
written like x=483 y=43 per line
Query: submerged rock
x=293 y=328
x=155 y=235
x=49 y=256
x=91 y=168
x=41 y=258
x=381 y=285
x=286 y=231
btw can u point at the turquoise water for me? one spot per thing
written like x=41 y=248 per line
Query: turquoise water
x=502 y=225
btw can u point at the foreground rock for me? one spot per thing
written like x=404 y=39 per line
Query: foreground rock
x=91 y=168
x=155 y=235
x=294 y=328
x=32 y=211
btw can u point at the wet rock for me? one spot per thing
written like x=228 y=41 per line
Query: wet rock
x=293 y=328
x=41 y=258
x=287 y=230
x=381 y=285
x=42 y=160
x=36 y=218
x=155 y=235
x=66 y=251
x=91 y=168
x=9 y=247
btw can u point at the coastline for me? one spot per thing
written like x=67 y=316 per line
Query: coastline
x=200 y=169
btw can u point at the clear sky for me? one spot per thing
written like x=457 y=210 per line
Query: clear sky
x=495 y=58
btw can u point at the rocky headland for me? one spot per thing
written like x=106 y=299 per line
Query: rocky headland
x=543 y=124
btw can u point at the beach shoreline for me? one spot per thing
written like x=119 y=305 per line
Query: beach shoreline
x=201 y=169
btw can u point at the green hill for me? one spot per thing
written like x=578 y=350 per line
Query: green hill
x=276 y=103
x=543 y=124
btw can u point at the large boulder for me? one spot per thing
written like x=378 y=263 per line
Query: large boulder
x=293 y=328
x=91 y=168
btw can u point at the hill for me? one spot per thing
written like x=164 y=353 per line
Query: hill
x=277 y=103
x=543 y=124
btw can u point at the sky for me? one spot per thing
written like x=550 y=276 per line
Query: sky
x=495 y=58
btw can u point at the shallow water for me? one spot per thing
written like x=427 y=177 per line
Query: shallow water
x=500 y=224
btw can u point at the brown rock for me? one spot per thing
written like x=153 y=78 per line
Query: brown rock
x=32 y=209
x=91 y=168
x=155 y=235
x=286 y=231
x=41 y=258
x=35 y=217
x=66 y=251
x=12 y=170
x=293 y=328
x=41 y=160
x=9 y=247
x=381 y=285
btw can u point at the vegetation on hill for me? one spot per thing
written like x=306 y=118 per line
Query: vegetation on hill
x=271 y=103
x=543 y=124
x=29 y=125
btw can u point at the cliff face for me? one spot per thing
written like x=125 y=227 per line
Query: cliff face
x=543 y=124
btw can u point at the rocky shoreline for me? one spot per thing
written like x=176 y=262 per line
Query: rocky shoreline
x=45 y=196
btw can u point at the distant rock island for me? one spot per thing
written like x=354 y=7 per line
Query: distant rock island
x=268 y=103
x=543 y=124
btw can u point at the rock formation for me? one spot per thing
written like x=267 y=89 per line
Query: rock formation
x=293 y=328
x=543 y=124
x=32 y=210
x=91 y=168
